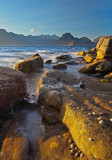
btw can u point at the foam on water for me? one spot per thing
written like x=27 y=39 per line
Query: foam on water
x=10 y=55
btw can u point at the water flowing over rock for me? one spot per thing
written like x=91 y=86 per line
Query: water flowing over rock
x=30 y=64
x=86 y=112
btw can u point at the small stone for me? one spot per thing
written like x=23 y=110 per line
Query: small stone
x=75 y=148
x=101 y=122
x=110 y=102
x=99 y=118
x=72 y=151
x=94 y=113
x=111 y=119
x=90 y=139
x=81 y=155
x=69 y=141
x=89 y=113
x=72 y=146
x=59 y=136
x=77 y=154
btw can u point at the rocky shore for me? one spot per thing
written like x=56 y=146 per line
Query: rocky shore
x=53 y=115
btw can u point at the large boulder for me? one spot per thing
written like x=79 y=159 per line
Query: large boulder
x=12 y=88
x=60 y=66
x=104 y=67
x=90 y=68
x=30 y=64
x=86 y=112
x=64 y=58
x=104 y=48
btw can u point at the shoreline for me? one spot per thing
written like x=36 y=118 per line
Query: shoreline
x=77 y=113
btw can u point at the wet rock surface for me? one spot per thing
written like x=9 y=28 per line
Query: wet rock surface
x=30 y=64
x=60 y=66
x=12 y=88
x=86 y=112
x=21 y=141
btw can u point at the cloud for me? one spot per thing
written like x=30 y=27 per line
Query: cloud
x=33 y=30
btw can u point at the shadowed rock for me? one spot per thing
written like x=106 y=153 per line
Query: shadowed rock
x=12 y=88
x=60 y=66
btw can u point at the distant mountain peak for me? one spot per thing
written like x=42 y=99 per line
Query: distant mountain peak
x=68 y=40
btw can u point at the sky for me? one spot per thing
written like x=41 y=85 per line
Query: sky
x=90 y=18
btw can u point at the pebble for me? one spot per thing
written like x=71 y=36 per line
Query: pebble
x=110 y=102
x=81 y=155
x=94 y=113
x=101 y=122
x=77 y=154
x=70 y=141
x=72 y=146
x=89 y=113
x=111 y=119
x=99 y=118
x=90 y=139
x=72 y=151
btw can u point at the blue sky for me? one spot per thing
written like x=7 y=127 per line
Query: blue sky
x=90 y=18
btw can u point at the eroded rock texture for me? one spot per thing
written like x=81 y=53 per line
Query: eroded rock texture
x=86 y=111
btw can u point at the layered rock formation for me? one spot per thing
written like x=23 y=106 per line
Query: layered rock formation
x=30 y=64
x=100 y=57
x=87 y=113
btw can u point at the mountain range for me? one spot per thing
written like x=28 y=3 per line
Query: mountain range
x=12 y=39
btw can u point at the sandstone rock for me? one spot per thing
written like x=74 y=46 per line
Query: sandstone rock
x=104 y=67
x=52 y=98
x=30 y=64
x=50 y=115
x=100 y=42
x=89 y=57
x=48 y=61
x=60 y=66
x=90 y=68
x=82 y=53
x=104 y=48
x=15 y=149
x=12 y=88
x=64 y=58
x=92 y=51
x=108 y=76
x=80 y=112
x=55 y=148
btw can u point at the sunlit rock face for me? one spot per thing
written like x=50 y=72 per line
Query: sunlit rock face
x=30 y=64
x=85 y=110
x=104 y=48
x=17 y=149
x=12 y=88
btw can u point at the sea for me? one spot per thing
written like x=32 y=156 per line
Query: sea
x=9 y=56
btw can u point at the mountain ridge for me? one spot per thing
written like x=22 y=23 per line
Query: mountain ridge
x=12 y=39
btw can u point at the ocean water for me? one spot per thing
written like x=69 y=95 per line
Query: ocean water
x=10 y=55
